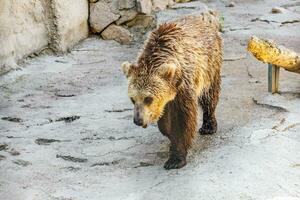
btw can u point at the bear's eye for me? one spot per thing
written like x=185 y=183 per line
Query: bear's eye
x=148 y=100
x=132 y=100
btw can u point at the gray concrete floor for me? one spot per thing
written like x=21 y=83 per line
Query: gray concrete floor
x=70 y=134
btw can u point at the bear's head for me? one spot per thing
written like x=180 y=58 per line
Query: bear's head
x=149 y=90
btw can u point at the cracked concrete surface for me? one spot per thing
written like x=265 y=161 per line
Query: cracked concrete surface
x=70 y=121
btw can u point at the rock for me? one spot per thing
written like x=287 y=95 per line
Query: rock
x=144 y=6
x=117 y=33
x=126 y=4
x=101 y=16
x=161 y=4
x=231 y=4
x=126 y=15
x=276 y=10
x=143 y=21
x=93 y=1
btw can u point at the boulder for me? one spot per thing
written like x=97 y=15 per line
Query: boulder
x=117 y=33
x=101 y=16
x=143 y=21
x=126 y=15
x=126 y=4
x=144 y=6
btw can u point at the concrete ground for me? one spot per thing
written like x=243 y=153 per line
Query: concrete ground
x=67 y=132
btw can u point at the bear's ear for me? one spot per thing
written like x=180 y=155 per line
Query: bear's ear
x=127 y=68
x=167 y=70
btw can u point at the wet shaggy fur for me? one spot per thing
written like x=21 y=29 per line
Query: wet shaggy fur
x=180 y=67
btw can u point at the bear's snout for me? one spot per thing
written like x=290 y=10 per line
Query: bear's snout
x=138 y=121
x=138 y=117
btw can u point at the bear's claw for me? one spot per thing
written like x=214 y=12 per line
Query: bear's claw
x=174 y=163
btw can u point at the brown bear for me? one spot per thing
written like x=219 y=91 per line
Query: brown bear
x=178 y=69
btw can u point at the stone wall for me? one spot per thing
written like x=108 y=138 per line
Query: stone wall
x=119 y=19
x=28 y=26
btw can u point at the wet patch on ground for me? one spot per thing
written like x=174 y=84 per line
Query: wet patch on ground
x=22 y=163
x=68 y=119
x=2 y=157
x=110 y=138
x=115 y=162
x=12 y=119
x=72 y=159
x=44 y=141
x=144 y=164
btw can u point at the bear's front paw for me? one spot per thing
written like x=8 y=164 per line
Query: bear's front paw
x=208 y=128
x=175 y=163
x=207 y=131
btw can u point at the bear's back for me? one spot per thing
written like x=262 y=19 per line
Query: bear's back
x=201 y=30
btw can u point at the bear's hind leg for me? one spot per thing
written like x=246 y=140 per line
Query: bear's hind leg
x=208 y=102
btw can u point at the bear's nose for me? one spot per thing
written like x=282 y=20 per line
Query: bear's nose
x=138 y=117
x=138 y=121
